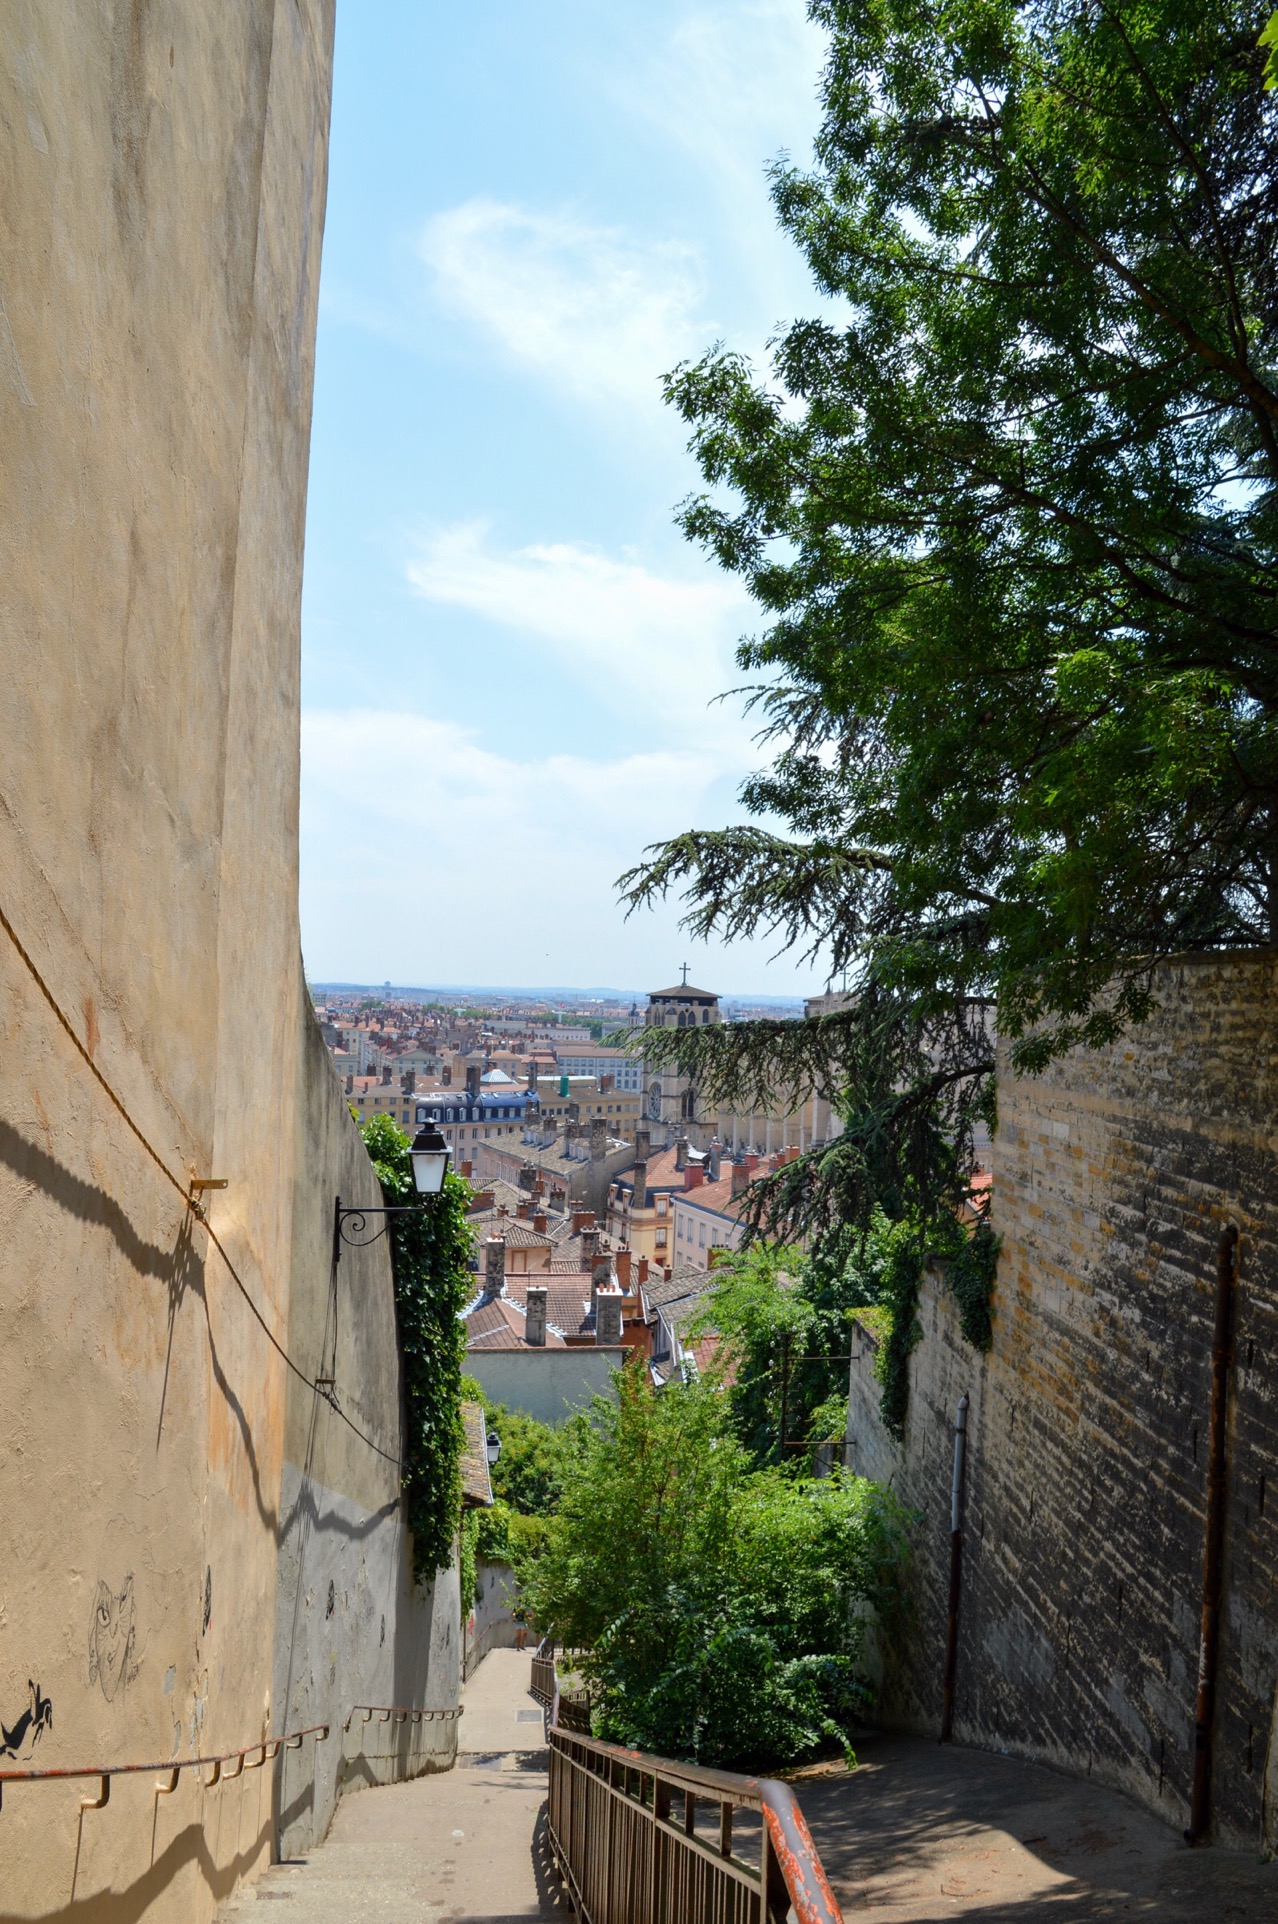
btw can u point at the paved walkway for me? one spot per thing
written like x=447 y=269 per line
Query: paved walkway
x=920 y=1832
x=917 y=1835
x=466 y=1843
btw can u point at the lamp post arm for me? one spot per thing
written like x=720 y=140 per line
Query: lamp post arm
x=355 y=1218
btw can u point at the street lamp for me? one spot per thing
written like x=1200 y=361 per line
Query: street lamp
x=429 y=1157
x=492 y=1448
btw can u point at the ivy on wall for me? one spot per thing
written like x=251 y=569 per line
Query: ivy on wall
x=430 y=1250
x=970 y=1259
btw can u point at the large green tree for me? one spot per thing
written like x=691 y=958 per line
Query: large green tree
x=1007 y=508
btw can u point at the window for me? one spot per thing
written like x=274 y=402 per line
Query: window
x=661 y=1239
x=701 y=1235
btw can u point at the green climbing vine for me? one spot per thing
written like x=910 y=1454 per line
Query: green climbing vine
x=429 y=1255
x=971 y=1277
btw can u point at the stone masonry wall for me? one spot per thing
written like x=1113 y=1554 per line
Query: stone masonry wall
x=1114 y=1174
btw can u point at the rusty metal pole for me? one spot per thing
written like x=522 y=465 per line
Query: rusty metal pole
x=1214 y=1543
x=956 y=1570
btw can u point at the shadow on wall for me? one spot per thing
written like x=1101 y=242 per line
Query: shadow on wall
x=187 y=1852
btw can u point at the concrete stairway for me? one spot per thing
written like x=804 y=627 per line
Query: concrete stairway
x=464 y=1844
x=918 y=1833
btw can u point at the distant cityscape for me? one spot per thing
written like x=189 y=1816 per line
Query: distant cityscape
x=604 y=1188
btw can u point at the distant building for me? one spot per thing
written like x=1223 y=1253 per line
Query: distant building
x=626 y=1070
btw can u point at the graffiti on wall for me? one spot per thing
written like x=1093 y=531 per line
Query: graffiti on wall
x=112 y=1638
x=29 y=1726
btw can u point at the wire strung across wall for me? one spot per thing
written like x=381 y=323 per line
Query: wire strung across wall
x=189 y=1198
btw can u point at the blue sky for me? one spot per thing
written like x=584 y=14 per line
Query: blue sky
x=509 y=653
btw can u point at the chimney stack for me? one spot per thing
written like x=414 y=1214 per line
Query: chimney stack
x=694 y=1175
x=539 y=1222
x=410 y=1082
x=598 y=1137
x=350 y=1085
x=472 y=1081
x=589 y=1248
x=608 y=1316
x=643 y=1144
x=639 y=1200
x=600 y=1278
x=386 y=1075
x=535 y=1328
x=716 y=1158
x=623 y=1269
x=681 y=1152
x=740 y=1179
x=643 y=1271
x=494 y=1266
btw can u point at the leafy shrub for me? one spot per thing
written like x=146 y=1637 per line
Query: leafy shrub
x=722 y=1606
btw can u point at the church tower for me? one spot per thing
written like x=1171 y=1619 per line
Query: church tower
x=673 y=1107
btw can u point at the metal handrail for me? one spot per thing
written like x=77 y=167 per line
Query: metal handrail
x=269 y=1748
x=384 y=1713
x=620 y=1856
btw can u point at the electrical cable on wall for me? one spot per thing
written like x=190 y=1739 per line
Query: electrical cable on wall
x=189 y=1199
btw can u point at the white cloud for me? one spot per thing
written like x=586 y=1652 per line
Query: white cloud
x=598 y=314
x=733 y=86
x=428 y=857
x=663 y=642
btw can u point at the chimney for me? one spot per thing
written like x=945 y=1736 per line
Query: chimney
x=410 y=1082
x=539 y=1222
x=643 y=1143
x=643 y=1271
x=681 y=1152
x=494 y=1266
x=386 y=1075
x=606 y=1084
x=582 y=1219
x=521 y=1210
x=532 y=1078
x=589 y=1248
x=716 y=1155
x=623 y=1269
x=598 y=1137
x=467 y=1170
x=535 y=1328
x=740 y=1179
x=600 y=1278
x=694 y=1175
x=350 y=1085
x=608 y=1316
x=472 y=1081
x=640 y=1177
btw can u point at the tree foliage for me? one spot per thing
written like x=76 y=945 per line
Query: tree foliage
x=1007 y=509
x=430 y=1250
x=721 y=1607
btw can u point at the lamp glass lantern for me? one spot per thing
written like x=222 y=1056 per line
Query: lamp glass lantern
x=429 y=1155
x=492 y=1447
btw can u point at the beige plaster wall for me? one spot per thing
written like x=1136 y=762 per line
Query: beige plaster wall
x=162 y=178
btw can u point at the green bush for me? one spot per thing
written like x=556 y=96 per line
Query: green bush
x=722 y=1606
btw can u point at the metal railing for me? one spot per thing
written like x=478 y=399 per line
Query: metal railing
x=630 y=1841
x=543 y=1673
x=260 y=1753
x=384 y=1713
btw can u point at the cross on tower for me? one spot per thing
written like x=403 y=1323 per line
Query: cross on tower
x=685 y=975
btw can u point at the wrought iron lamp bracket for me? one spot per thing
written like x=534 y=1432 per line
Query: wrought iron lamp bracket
x=350 y=1223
